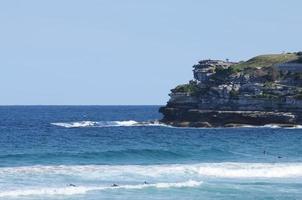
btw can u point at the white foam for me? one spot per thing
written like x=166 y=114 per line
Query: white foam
x=128 y=123
x=82 y=124
x=189 y=183
x=221 y=170
x=252 y=170
x=272 y=126
x=75 y=124
x=85 y=189
x=295 y=127
x=46 y=191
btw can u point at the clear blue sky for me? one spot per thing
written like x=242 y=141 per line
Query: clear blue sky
x=127 y=51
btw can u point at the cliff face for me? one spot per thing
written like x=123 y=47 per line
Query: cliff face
x=266 y=89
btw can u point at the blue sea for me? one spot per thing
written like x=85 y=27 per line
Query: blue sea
x=106 y=152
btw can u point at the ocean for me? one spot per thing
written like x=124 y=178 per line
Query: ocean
x=105 y=152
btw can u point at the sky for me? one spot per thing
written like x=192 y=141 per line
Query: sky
x=130 y=52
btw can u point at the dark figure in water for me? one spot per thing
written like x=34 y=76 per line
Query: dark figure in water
x=264 y=152
x=114 y=185
x=146 y=182
x=72 y=185
x=279 y=156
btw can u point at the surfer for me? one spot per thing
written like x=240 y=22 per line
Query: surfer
x=114 y=185
x=72 y=185
x=145 y=182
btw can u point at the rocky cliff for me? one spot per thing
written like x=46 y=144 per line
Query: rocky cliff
x=266 y=89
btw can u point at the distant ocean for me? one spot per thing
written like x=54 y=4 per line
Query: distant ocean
x=80 y=152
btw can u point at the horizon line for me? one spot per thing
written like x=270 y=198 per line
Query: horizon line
x=81 y=105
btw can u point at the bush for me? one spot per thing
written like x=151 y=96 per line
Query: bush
x=223 y=74
x=190 y=88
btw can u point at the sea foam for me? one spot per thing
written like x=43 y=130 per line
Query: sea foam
x=84 y=189
x=133 y=123
x=83 y=124
x=220 y=170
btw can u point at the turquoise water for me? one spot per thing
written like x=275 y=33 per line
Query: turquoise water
x=78 y=152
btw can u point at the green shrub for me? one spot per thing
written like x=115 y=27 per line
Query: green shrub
x=190 y=88
x=223 y=74
x=266 y=60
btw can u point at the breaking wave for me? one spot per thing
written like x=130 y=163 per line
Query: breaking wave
x=274 y=126
x=85 y=189
x=129 y=177
x=129 y=123
x=220 y=170
x=82 y=124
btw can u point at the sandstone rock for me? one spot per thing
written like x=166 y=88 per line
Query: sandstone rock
x=255 y=94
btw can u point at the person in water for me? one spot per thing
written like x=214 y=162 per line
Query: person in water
x=114 y=185
x=72 y=185
x=145 y=182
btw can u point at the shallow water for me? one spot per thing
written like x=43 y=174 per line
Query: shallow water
x=44 y=149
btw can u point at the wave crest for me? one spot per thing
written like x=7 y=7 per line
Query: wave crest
x=82 y=124
x=85 y=189
x=220 y=170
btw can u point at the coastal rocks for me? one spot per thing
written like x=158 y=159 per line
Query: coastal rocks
x=222 y=90
x=254 y=89
x=232 y=94
x=190 y=124
x=182 y=98
x=212 y=118
x=205 y=68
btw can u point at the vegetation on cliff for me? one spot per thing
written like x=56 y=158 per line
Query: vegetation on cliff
x=267 y=84
x=190 y=89
x=266 y=60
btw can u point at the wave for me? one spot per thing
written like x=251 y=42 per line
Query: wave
x=117 y=155
x=132 y=123
x=273 y=126
x=219 y=170
x=295 y=127
x=85 y=189
x=267 y=126
x=82 y=124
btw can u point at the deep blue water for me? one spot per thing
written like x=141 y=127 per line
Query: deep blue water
x=43 y=149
